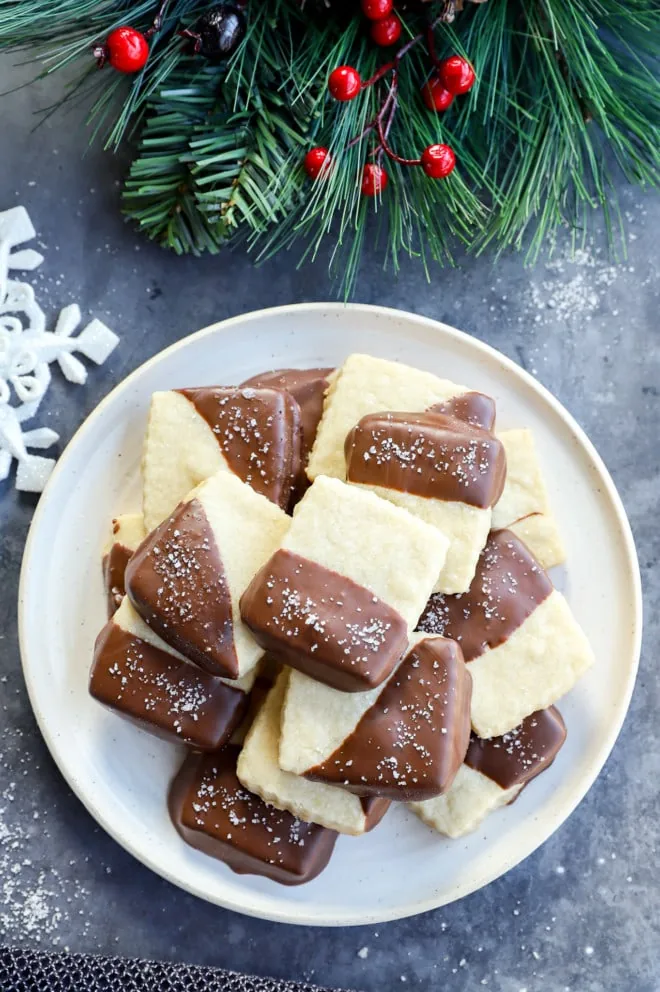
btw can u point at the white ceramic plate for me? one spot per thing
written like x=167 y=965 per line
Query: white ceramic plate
x=121 y=774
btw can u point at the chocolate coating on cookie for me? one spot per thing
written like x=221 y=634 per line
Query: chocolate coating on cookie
x=474 y=408
x=162 y=693
x=176 y=582
x=375 y=808
x=427 y=454
x=507 y=587
x=259 y=433
x=323 y=623
x=114 y=570
x=411 y=742
x=308 y=388
x=514 y=759
x=214 y=813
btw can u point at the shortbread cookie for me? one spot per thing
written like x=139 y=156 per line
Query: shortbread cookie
x=137 y=675
x=370 y=385
x=442 y=469
x=494 y=773
x=405 y=740
x=308 y=388
x=127 y=534
x=214 y=813
x=340 y=597
x=539 y=531
x=187 y=577
x=192 y=433
x=524 y=491
x=259 y=770
x=523 y=506
x=522 y=644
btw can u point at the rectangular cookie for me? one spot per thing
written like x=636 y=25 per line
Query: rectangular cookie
x=524 y=507
x=341 y=595
x=519 y=638
x=256 y=434
x=214 y=813
x=127 y=534
x=189 y=574
x=259 y=771
x=138 y=676
x=404 y=740
x=439 y=467
x=494 y=773
x=365 y=385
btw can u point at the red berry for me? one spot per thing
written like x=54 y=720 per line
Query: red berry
x=344 y=83
x=127 y=49
x=435 y=96
x=375 y=10
x=374 y=180
x=386 y=31
x=438 y=161
x=316 y=162
x=457 y=74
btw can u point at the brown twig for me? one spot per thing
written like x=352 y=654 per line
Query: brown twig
x=388 y=66
x=390 y=103
x=389 y=108
x=158 y=20
x=430 y=44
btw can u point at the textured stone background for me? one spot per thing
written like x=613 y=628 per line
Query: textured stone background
x=582 y=913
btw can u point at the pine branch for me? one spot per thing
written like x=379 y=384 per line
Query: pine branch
x=562 y=90
x=160 y=190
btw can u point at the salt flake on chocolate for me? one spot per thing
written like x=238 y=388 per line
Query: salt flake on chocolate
x=27 y=350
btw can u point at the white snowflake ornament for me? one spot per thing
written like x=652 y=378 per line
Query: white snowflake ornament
x=95 y=342
x=27 y=350
x=15 y=228
x=33 y=470
x=19 y=299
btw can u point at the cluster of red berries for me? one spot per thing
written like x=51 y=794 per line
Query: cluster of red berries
x=385 y=26
x=452 y=77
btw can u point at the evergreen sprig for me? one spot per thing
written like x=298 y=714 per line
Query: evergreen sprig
x=565 y=92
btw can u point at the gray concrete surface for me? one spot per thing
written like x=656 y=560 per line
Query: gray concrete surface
x=582 y=914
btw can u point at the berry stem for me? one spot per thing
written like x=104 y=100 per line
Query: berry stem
x=390 y=102
x=384 y=147
x=100 y=53
x=383 y=126
x=388 y=66
x=394 y=103
x=389 y=106
x=158 y=20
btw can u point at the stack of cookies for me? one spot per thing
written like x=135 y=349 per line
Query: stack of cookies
x=335 y=596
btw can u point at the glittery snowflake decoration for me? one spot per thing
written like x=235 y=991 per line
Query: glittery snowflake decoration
x=27 y=351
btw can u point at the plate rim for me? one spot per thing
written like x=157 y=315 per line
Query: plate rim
x=296 y=915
